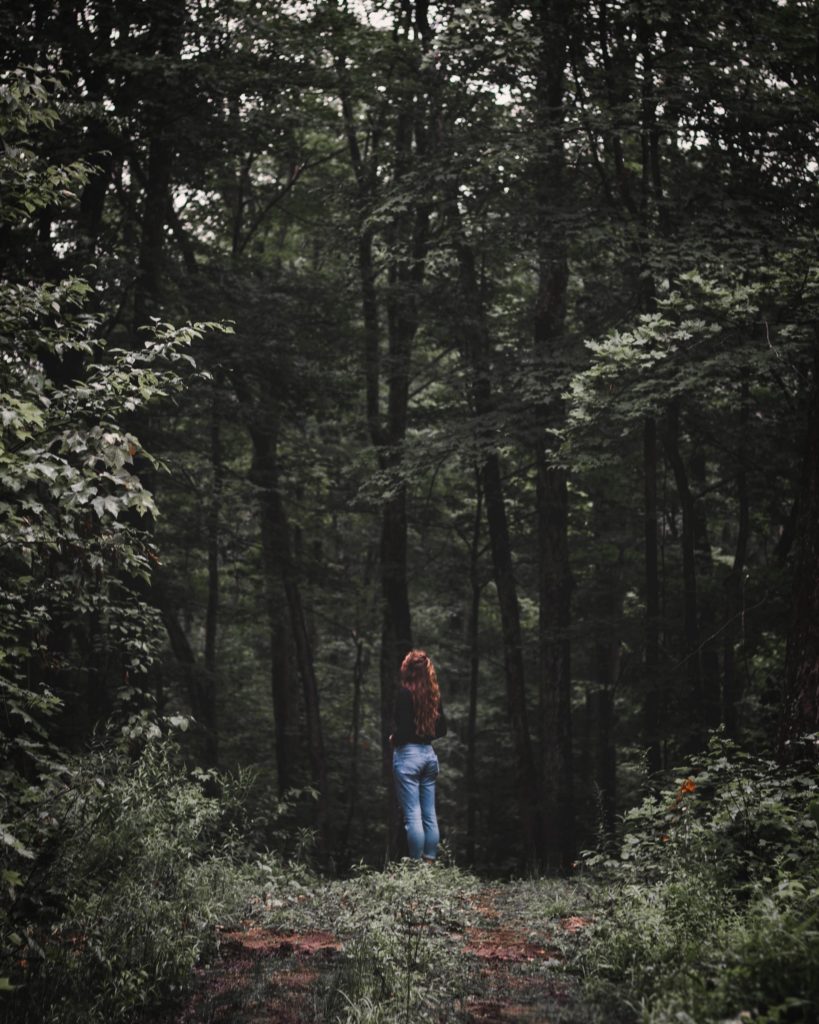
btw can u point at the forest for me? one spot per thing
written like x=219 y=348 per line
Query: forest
x=331 y=330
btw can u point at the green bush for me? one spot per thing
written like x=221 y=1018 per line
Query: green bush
x=122 y=901
x=710 y=911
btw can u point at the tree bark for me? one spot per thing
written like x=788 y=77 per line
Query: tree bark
x=731 y=688
x=212 y=611
x=476 y=347
x=276 y=535
x=605 y=756
x=168 y=29
x=655 y=717
x=280 y=693
x=196 y=680
x=706 y=612
x=355 y=731
x=474 y=670
x=800 y=712
x=556 y=771
x=554 y=573
x=691 y=633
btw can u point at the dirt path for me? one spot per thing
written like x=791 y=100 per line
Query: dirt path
x=513 y=971
x=261 y=977
x=520 y=977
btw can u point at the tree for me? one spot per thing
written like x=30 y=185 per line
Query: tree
x=800 y=708
x=77 y=634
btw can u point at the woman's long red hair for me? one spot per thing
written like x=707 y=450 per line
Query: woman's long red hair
x=418 y=676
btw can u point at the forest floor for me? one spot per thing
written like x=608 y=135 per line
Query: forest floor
x=509 y=965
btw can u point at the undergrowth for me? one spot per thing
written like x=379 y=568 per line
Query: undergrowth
x=400 y=963
x=133 y=862
x=711 y=911
x=708 y=914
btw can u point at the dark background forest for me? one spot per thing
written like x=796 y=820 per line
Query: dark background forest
x=504 y=346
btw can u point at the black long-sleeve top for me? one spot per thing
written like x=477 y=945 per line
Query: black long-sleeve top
x=404 y=718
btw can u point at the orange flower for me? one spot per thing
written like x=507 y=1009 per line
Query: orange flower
x=688 y=786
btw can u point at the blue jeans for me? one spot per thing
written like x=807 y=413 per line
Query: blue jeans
x=415 y=769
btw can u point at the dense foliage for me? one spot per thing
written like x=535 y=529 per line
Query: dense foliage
x=104 y=852
x=521 y=368
x=121 y=903
x=710 y=910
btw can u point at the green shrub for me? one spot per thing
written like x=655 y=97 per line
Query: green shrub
x=121 y=902
x=710 y=911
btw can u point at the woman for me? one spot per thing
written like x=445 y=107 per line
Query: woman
x=419 y=719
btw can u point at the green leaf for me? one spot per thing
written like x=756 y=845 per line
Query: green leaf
x=12 y=841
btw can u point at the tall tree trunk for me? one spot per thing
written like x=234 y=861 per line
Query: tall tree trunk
x=655 y=716
x=554 y=574
x=212 y=611
x=513 y=656
x=731 y=689
x=149 y=282
x=280 y=689
x=276 y=545
x=476 y=347
x=355 y=731
x=167 y=30
x=606 y=657
x=706 y=612
x=386 y=433
x=691 y=643
x=474 y=669
x=800 y=711
x=264 y=475
x=195 y=679
x=402 y=325
x=605 y=603
x=554 y=621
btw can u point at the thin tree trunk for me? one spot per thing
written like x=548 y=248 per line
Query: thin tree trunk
x=706 y=613
x=474 y=669
x=731 y=689
x=195 y=679
x=608 y=521
x=513 y=655
x=691 y=652
x=557 y=784
x=280 y=687
x=277 y=549
x=263 y=474
x=167 y=30
x=655 y=717
x=476 y=344
x=387 y=435
x=607 y=659
x=605 y=759
x=554 y=574
x=355 y=731
x=800 y=712
x=212 y=611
